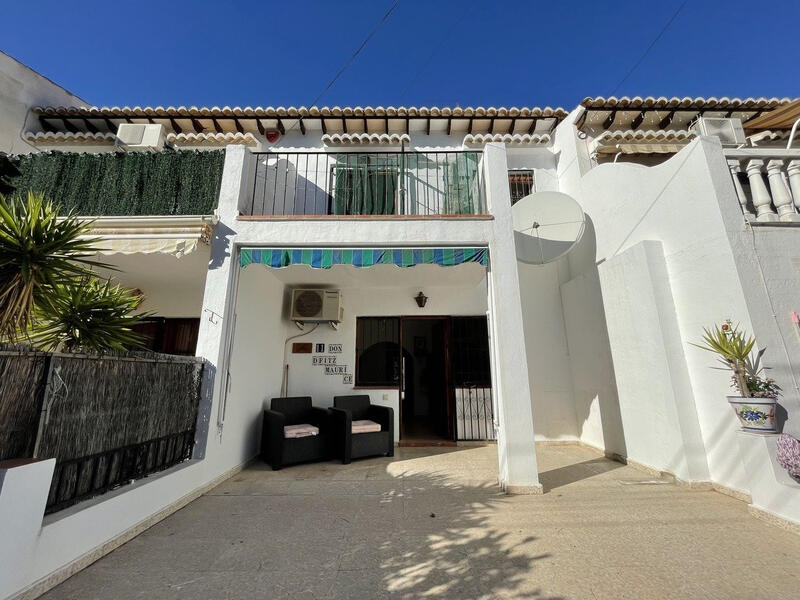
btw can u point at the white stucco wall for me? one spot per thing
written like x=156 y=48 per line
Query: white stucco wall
x=20 y=89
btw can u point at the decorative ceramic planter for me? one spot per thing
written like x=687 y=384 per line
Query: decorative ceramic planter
x=756 y=415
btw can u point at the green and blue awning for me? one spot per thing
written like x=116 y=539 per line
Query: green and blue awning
x=325 y=258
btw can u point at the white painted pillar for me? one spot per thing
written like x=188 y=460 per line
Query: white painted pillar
x=793 y=172
x=24 y=486
x=219 y=300
x=781 y=197
x=736 y=168
x=515 y=439
x=758 y=189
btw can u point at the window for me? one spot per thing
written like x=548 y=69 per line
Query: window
x=520 y=184
x=469 y=352
x=170 y=336
x=377 y=351
x=365 y=185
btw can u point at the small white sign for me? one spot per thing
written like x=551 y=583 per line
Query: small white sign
x=335 y=369
x=323 y=360
x=335 y=348
x=347 y=379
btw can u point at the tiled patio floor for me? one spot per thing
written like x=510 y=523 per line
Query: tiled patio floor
x=430 y=523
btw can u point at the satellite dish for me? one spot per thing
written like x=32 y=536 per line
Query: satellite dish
x=547 y=225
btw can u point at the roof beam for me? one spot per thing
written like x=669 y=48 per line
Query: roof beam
x=344 y=125
x=281 y=128
x=532 y=128
x=666 y=121
x=112 y=127
x=386 y=124
x=238 y=126
x=198 y=127
x=324 y=127
x=512 y=125
x=365 y=124
x=610 y=120
x=46 y=125
x=449 y=125
x=175 y=126
x=69 y=126
x=428 y=126
x=260 y=127
x=217 y=126
x=407 y=124
x=491 y=125
x=89 y=126
x=302 y=125
x=469 y=129
x=637 y=120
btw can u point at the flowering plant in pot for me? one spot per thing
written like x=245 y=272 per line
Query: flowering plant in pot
x=757 y=395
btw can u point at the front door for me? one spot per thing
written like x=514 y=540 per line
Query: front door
x=425 y=411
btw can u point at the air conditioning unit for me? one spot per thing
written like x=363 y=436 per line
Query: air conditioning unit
x=317 y=306
x=729 y=131
x=135 y=136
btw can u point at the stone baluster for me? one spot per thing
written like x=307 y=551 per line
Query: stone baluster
x=736 y=168
x=793 y=171
x=781 y=197
x=759 y=191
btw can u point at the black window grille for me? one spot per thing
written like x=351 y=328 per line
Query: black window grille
x=520 y=184
x=377 y=351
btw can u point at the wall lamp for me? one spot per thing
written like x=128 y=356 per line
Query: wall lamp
x=421 y=299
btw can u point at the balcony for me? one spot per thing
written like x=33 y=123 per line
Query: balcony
x=374 y=184
x=767 y=182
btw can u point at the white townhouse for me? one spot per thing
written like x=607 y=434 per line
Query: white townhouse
x=373 y=249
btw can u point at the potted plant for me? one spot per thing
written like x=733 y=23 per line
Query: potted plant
x=755 y=403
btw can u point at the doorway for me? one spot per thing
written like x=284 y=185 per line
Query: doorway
x=426 y=410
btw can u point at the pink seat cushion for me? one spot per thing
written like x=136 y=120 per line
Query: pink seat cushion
x=302 y=430
x=365 y=426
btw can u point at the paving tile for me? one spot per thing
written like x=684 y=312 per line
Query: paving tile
x=431 y=523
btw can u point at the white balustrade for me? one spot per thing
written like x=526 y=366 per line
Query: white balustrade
x=736 y=168
x=793 y=172
x=774 y=198
x=759 y=192
x=781 y=196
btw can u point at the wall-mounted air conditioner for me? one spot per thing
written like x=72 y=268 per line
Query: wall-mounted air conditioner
x=317 y=306
x=135 y=136
x=729 y=131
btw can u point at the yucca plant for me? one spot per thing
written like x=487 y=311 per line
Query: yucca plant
x=89 y=314
x=733 y=348
x=39 y=252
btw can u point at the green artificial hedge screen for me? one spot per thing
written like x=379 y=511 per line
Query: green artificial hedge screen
x=184 y=182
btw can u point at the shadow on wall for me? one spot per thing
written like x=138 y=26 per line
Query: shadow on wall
x=597 y=409
x=220 y=245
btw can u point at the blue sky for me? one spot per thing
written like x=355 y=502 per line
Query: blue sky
x=440 y=52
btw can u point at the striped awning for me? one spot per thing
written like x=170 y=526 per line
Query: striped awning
x=325 y=258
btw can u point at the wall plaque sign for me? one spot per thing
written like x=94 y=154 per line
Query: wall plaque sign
x=301 y=348
x=347 y=379
x=319 y=348
x=335 y=348
x=323 y=360
x=335 y=369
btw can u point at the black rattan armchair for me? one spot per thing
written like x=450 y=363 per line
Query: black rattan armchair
x=349 y=445
x=279 y=451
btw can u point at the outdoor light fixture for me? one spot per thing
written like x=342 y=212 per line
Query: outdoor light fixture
x=421 y=299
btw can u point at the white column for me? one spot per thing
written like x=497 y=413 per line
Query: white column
x=758 y=189
x=793 y=171
x=736 y=168
x=515 y=439
x=216 y=320
x=781 y=197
